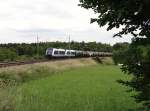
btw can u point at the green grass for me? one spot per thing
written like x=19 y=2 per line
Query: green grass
x=91 y=88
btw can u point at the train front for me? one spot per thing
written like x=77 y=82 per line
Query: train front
x=49 y=52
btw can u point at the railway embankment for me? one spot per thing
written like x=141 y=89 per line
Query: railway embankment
x=14 y=76
x=26 y=72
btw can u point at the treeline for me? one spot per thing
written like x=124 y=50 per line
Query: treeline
x=15 y=51
x=120 y=52
x=123 y=52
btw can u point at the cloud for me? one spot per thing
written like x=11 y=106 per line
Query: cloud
x=22 y=20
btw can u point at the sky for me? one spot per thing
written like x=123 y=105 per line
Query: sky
x=52 y=20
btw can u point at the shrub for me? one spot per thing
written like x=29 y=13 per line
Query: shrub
x=7 y=54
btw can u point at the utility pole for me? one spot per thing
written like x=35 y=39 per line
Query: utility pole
x=69 y=42
x=37 y=45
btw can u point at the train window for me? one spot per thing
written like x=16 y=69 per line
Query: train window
x=55 y=52
x=62 y=52
x=72 y=53
x=68 y=52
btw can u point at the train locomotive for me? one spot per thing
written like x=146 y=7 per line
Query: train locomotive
x=65 y=53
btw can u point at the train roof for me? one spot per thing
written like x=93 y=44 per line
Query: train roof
x=54 y=49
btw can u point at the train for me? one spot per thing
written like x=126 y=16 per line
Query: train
x=67 y=53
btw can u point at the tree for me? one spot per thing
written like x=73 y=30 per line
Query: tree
x=137 y=63
x=132 y=14
x=119 y=52
x=134 y=17
x=120 y=46
x=7 y=54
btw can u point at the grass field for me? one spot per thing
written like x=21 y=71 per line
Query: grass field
x=89 y=88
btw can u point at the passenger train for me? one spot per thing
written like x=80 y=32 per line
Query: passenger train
x=64 y=53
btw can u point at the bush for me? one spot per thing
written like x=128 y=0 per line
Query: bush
x=7 y=54
x=119 y=52
x=118 y=56
x=137 y=63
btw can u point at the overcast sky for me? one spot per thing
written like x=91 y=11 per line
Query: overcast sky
x=52 y=20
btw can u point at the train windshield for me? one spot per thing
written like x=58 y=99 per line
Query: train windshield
x=55 y=52
x=49 y=51
x=62 y=52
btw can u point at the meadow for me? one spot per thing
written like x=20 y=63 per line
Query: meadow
x=82 y=88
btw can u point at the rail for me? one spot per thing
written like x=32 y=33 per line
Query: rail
x=16 y=63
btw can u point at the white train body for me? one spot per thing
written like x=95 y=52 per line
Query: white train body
x=56 y=53
x=70 y=53
x=53 y=52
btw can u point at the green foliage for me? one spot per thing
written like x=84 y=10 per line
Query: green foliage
x=137 y=63
x=118 y=56
x=120 y=46
x=132 y=14
x=119 y=52
x=7 y=54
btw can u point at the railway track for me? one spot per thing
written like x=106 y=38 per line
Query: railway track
x=16 y=63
